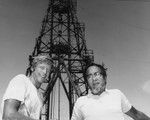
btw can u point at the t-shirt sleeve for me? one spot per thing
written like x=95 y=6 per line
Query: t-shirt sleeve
x=16 y=89
x=77 y=114
x=125 y=104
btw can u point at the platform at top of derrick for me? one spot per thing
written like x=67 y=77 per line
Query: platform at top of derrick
x=64 y=6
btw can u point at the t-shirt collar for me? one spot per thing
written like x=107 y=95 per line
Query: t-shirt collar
x=91 y=95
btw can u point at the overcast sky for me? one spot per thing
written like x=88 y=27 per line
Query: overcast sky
x=117 y=31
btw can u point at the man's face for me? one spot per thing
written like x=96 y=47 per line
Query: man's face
x=41 y=72
x=95 y=80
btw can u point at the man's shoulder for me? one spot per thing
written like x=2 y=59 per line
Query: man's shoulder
x=19 y=78
x=81 y=101
x=82 y=98
x=114 y=91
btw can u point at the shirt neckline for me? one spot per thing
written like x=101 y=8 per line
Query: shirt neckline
x=97 y=96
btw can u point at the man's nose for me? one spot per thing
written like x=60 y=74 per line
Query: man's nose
x=45 y=71
x=94 y=77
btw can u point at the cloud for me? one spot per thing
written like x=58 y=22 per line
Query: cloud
x=146 y=86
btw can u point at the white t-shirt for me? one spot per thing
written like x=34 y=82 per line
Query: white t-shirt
x=22 y=89
x=110 y=105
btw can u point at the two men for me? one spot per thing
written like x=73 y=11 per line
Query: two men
x=101 y=103
x=22 y=100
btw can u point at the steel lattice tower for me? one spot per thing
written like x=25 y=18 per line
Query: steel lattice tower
x=62 y=36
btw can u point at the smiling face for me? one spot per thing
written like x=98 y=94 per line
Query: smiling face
x=41 y=72
x=96 y=81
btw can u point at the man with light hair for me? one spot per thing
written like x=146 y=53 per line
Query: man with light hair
x=22 y=100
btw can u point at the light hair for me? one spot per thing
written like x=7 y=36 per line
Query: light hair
x=42 y=58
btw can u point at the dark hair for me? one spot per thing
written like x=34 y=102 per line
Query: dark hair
x=101 y=67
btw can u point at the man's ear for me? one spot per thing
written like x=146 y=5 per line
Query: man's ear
x=32 y=69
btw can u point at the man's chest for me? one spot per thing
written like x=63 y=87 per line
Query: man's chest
x=104 y=106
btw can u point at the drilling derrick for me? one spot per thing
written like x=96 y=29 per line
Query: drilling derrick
x=62 y=36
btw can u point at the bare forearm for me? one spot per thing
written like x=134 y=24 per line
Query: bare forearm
x=16 y=116
x=137 y=115
x=142 y=116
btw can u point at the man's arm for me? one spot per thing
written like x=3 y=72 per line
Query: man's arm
x=10 y=110
x=137 y=115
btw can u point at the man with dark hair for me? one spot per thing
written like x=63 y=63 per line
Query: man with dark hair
x=22 y=100
x=101 y=103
